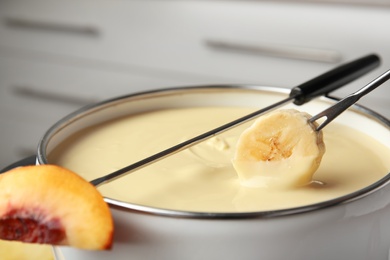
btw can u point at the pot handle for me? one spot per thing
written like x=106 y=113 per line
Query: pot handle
x=31 y=160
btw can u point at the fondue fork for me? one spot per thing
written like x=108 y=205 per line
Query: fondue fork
x=335 y=110
x=318 y=86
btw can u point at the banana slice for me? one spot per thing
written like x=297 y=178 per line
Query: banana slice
x=280 y=149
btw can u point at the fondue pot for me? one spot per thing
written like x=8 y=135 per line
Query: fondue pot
x=354 y=226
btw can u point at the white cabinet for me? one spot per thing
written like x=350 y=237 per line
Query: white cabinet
x=34 y=94
x=57 y=55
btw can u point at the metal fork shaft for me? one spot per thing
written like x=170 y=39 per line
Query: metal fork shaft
x=335 y=110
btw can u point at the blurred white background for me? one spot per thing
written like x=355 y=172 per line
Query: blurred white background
x=56 y=56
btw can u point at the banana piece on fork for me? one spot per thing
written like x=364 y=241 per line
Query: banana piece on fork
x=281 y=149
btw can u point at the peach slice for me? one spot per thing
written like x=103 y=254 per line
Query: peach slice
x=48 y=204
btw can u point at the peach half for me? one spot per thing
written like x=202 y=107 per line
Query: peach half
x=48 y=204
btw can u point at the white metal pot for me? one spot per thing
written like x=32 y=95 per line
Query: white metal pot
x=355 y=226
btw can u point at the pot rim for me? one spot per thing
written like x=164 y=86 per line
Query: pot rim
x=122 y=205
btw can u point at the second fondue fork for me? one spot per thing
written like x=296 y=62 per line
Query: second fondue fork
x=335 y=110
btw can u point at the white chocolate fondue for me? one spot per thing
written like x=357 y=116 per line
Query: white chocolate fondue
x=202 y=177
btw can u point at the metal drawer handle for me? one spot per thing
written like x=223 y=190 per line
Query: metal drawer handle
x=277 y=50
x=48 y=26
x=31 y=92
